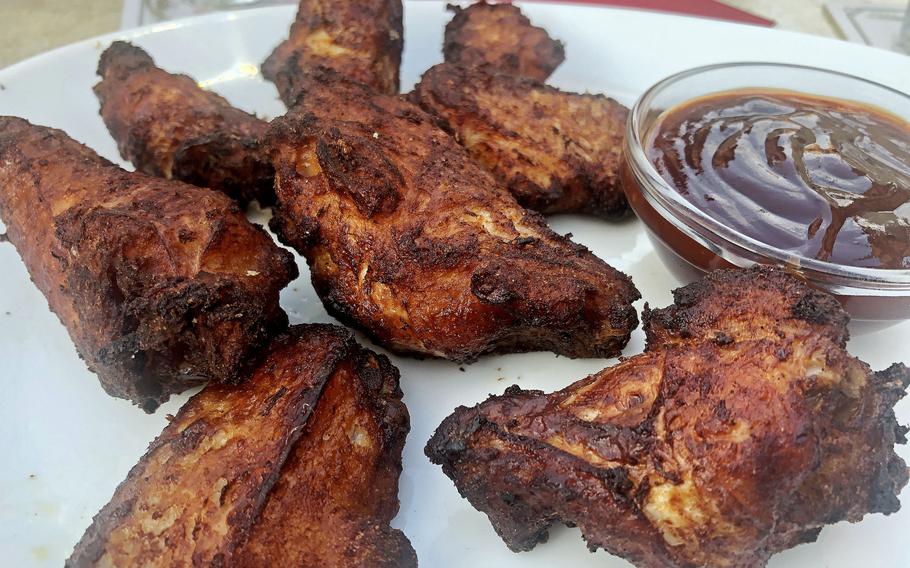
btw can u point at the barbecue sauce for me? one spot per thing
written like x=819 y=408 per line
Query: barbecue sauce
x=822 y=178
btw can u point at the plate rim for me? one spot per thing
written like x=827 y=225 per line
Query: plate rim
x=27 y=66
x=225 y=16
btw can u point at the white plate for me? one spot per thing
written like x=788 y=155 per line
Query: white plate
x=65 y=445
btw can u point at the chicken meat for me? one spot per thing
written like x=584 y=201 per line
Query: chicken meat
x=501 y=36
x=556 y=151
x=361 y=40
x=162 y=285
x=168 y=126
x=412 y=242
x=742 y=430
x=297 y=466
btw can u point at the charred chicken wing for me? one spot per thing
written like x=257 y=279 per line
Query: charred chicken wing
x=361 y=40
x=743 y=429
x=298 y=466
x=555 y=151
x=412 y=242
x=501 y=36
x=162 y=285
x=168 y=126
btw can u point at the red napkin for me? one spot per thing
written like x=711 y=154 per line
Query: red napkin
x=703 y=8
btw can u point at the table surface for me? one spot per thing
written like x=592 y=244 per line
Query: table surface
x=29 y=27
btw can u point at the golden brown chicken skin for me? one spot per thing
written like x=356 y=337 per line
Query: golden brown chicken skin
x=501 y=36
x=168 y=126
x=743 y=429
x=162 y=285
x=297 y=466
x=557 y=152
x=361 y=40
x=412 y=242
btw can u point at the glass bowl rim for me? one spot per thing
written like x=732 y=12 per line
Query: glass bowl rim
x=675 y=204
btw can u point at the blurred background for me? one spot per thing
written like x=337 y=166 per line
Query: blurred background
x=29 y=27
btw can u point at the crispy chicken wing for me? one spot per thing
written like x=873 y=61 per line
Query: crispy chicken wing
x=297 y=466
x=168 y=126
x=161 y=285
x=410 y=241
x=501 y=36
x=555 y=151
x=361 y=40
x=743 y=429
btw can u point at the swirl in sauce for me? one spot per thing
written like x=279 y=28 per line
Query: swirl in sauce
x=823 y=178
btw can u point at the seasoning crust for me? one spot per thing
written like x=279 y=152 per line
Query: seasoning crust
x=412 y=242
x=557 y=152
x=298 y=465
x=501 y=36
x=743 y=429
x=162 y=285
x=168 y=126
x=360 y=40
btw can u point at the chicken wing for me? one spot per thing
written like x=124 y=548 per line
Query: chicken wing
x=361 y=40
x=556 y=151
x=501 y=36
x=168 y=126
x=297 y=466
x=161 y=285
x=743 y=429
x=410 y=241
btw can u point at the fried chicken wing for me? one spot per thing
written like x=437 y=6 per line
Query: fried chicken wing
x=361 y=40
x=743 y=429
x=168 y=126
x=556 y=151
x=297 y=466
x=161 y=285
x=410 y=241
x=501 y=36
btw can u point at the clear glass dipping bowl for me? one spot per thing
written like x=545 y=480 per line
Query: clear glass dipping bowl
x=690 y=242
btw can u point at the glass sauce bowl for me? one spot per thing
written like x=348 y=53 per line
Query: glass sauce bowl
x=690 y=242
